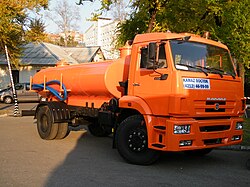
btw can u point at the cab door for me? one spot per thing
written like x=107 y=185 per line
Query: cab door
x=153 y=86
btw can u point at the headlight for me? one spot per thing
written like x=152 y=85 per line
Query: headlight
x=239 y=126
x=182 y=129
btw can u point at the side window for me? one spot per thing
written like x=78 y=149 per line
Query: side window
x=144 y=57
x=27 y=87
x=19 y=87
x=162 y=57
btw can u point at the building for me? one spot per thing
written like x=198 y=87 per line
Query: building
x=85 y=54
x=75 y=35
x=103 y=33
x=37 y=56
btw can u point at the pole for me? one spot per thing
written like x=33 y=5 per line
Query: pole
x=16 y=108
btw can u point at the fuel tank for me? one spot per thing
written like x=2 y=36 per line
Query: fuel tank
x=91 y=83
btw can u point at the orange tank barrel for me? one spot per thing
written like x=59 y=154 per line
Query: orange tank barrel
x=89 y=81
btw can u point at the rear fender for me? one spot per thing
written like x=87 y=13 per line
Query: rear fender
x=59 y=110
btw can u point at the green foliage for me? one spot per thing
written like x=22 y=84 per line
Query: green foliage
x=36 y=32
x=94 y=16
x=227 y=21
x=246 y=134
x=13 y=18
x=235 y=30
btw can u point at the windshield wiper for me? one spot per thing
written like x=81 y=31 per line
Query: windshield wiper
x=194 y=67
x=230 y=73
x=213 y=70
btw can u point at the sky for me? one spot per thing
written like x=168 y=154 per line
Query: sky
x=85 y=13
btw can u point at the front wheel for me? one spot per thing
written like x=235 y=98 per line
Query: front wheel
x=8 y=100
x=131 y=141
x=45 y=126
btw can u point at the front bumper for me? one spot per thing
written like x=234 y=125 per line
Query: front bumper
x=205 y=133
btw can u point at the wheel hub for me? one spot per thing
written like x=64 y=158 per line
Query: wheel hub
x=137 y=140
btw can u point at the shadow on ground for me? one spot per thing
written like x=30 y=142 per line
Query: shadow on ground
x=94 y=163
x=6 y=107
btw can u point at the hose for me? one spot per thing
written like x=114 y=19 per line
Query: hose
x=52 y=90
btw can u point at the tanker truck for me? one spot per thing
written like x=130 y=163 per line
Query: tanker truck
x=166 y=92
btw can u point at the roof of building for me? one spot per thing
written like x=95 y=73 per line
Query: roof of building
x=82 y=54
x=49 y=54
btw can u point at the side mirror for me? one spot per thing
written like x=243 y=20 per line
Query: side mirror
x=152 y=50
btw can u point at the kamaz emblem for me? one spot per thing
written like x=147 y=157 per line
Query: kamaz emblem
x=217 y=106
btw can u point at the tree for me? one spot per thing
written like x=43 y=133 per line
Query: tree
x=235 y=31
x=13 y=21
x=116 y=7
x=67 y=16
x=227 y=20
x=36 y=31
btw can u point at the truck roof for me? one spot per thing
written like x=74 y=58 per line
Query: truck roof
x=157 y=36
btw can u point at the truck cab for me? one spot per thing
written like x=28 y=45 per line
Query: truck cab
x=193 y=95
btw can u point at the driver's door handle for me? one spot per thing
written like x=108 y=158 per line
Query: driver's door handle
x=136 y=84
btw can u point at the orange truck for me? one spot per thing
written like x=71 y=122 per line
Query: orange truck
x=166 y=92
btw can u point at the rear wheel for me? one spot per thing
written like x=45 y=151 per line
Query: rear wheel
x=8 y=100
x=45 y=126
x=131 y=141
x=63 y=131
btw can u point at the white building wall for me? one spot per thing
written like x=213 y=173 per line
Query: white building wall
x=25 y=74
x=91 y=37
x=103 y=33
x=108 y=41
x=4 y=77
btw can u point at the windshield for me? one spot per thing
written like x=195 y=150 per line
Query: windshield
x=193 y=56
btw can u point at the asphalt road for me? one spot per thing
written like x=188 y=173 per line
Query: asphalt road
x=22 y=106
x=84 y=160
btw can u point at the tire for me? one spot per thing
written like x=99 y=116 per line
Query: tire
x=45 y=126
x=131 y=141
x=199 y=152
x=8 y=100
x=97 y=130
x=63 y=131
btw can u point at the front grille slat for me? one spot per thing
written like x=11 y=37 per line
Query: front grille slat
x=214 y=102
x=212 y=141
x=214 y=106
x=214 y=128
x=215 y=110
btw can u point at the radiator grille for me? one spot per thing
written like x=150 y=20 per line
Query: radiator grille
x=206 y=107
x=214 y=128
x=213 y=141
